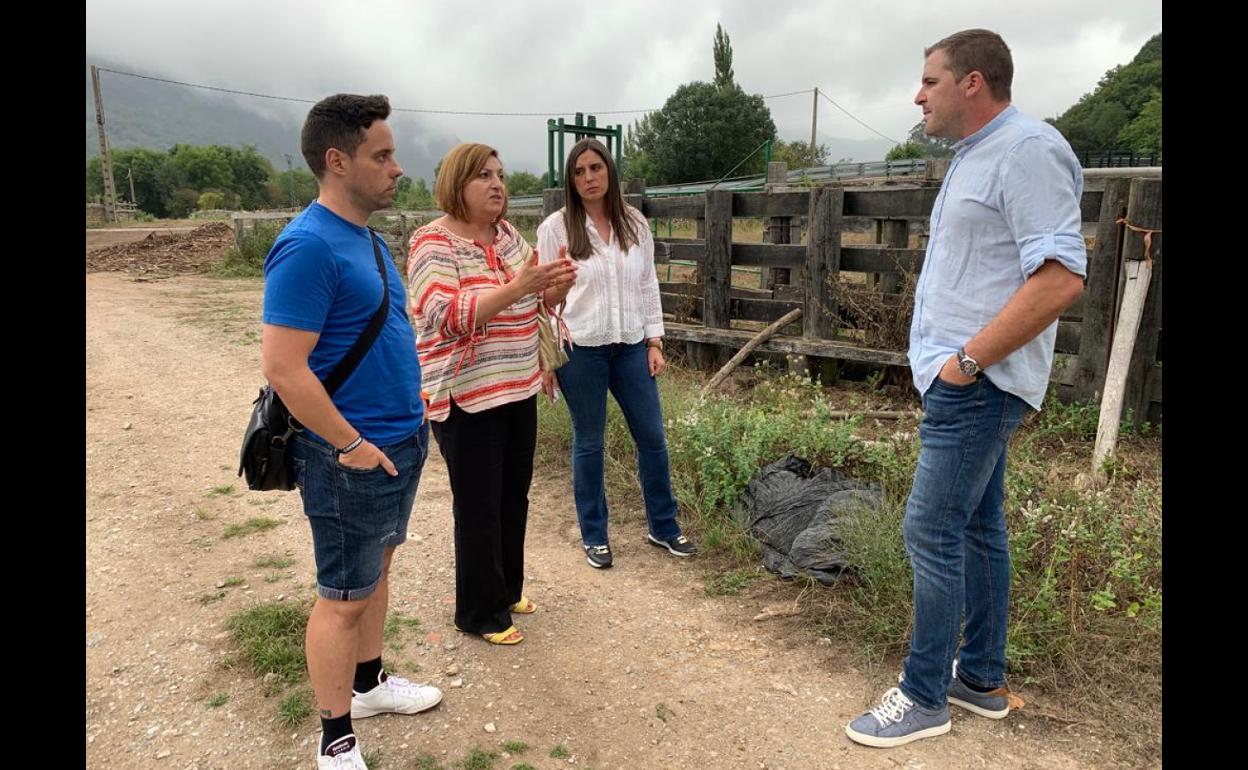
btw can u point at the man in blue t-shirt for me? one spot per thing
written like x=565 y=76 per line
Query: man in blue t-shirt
x=358 y=461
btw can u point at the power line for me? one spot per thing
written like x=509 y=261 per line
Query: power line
x=850 y=114
x=403 y=109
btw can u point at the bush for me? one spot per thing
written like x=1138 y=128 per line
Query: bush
x=248 y=262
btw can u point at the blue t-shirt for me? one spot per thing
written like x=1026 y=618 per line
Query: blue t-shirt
x=321 y=276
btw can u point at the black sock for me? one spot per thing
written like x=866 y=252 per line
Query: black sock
x=975 y=687
x=368 y=675
x=333 y=729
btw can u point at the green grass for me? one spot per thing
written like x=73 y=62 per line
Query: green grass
x=731 y=582
x=234 y=581
x=295 y=708
x=522 y=766
x=268 y=638
x=397 y=625
x=273 y=562
x=426 y=762
x=252 y=525
x=203 y=515
x=560 y=752
x=515 y=747
x=478 y=759
x=1086 y=595
x=224 y=489
x=217 y=701
x=207 y=599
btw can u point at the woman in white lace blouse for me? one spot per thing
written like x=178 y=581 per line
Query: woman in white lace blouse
x=616 y=323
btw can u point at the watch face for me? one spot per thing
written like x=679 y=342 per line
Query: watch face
x=968 y=367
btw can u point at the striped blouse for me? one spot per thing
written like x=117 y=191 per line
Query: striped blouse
x=479 y=368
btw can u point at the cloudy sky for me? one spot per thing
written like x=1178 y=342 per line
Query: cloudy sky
x=557 y=58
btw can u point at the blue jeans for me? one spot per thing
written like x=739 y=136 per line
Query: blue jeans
x=585 y=380
x=955 y=535
x=356 y=515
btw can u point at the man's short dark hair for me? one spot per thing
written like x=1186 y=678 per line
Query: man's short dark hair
x=339 y=121
x=982 y=51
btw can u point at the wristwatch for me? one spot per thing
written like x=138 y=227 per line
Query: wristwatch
x=655 y=342
x=967 y=365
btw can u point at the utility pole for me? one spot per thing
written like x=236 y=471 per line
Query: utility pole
x=106 y=160
x=814 y=115
x=130 y=176
x=291 y=171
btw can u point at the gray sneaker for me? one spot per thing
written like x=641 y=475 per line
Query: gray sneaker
x=897 y=721
x=994 y=704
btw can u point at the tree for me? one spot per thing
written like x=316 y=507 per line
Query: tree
x=798 y=155
x=1143 y=135
x=930 y=146
x=523 y=183
x=250 y=172
x=905 y=151
x=202 y=168
x=636 y=163
x=722 y=51
x=210 y=200
x=1097 y=121
x=704 y=130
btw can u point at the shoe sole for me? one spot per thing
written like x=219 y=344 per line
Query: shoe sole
x=670 y=550
x=983 y=712
x=596 y=565
x=901 y=740
x=366 y=713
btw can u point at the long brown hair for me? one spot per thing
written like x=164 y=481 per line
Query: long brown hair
x=624 y=225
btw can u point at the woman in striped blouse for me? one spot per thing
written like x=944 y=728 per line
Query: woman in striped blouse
x=474 y=303
x=616 y=322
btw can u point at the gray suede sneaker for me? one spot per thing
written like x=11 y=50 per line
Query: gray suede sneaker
x=897 y=721
x=994 y=704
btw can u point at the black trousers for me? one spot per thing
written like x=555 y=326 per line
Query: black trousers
x=489 y=456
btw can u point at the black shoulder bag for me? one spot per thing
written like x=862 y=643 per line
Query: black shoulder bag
x=265 y=457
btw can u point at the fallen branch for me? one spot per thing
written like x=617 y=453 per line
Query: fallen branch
x=757 y=340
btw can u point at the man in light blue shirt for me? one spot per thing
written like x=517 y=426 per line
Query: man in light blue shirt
x=1004 y=258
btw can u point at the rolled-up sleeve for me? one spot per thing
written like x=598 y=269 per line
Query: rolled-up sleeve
x=434 y=288
x=1041 y=184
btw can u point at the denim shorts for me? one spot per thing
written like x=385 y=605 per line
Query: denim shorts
x=356 y=515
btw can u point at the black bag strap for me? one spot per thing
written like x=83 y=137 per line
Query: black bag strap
x=366 y=339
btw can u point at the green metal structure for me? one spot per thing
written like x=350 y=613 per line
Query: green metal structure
x=556 y=127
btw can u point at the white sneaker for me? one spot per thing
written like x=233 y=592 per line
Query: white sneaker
x=342 y=754
x=396 y=695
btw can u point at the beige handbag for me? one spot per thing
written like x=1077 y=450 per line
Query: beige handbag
x=551 y=337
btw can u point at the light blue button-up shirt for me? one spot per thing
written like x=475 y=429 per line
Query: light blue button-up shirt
x=1009 y=201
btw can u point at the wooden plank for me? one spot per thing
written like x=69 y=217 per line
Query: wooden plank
x=1144 y=211
x=1135 y=291
x=736 y=338
x=552 y=201
x=741 y=308
x=880 y=259
x=1098 y=305
x=782 y=255
x=1090 y=205
x=894 y=203
x=892 y=233
x=676 y=207
x=770 y=204
x=1067 y=337
x=695 y=290
x=716 y=271
x=823 y=261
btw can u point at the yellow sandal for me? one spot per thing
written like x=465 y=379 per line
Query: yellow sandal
x=509 y=635
x=525 y=606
